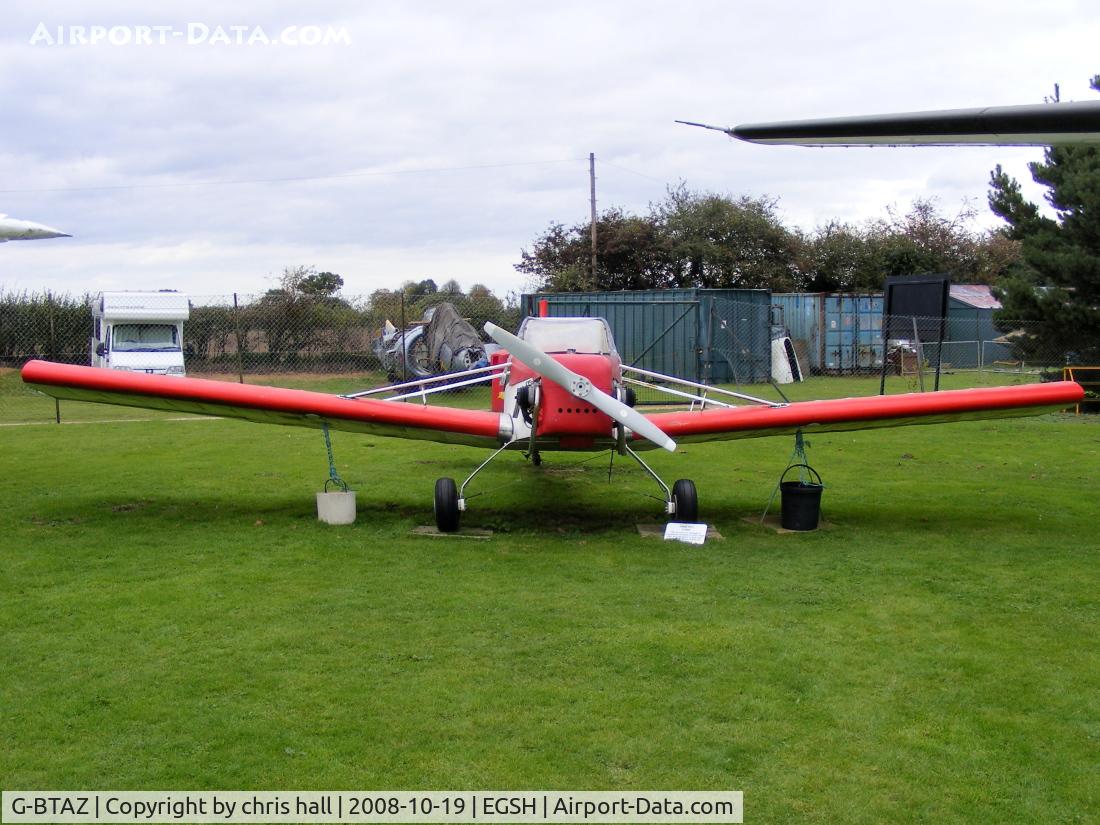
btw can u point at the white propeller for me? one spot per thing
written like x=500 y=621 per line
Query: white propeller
x=579 y=386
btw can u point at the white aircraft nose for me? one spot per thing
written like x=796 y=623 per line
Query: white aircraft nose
x=14 y=229
x=31 y=231
x=40 y=230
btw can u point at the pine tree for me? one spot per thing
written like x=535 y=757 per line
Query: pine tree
x=1056 y=287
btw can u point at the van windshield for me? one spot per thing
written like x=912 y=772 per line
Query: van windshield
x=145 y=338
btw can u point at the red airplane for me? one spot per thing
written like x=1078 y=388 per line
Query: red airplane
x=560 y=385
x=563 y=385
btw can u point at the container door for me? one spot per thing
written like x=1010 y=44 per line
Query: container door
x=869 y=355
x=839 y=333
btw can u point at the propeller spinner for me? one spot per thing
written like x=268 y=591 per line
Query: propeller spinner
x=579 y=386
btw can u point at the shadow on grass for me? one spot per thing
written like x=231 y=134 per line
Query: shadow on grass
x=501 y=511
x=915 y=517
x=559 y=500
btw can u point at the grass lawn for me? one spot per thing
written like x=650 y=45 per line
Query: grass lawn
x=175 y=617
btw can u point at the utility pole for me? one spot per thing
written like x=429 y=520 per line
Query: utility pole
x=592 y=182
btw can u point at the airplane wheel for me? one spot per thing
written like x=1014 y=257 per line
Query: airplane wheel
x=685 y=500
x=446 y=505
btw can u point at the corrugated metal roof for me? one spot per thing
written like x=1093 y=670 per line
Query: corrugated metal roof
x=978 y=296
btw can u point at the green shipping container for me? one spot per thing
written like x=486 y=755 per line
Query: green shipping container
x=715 y=336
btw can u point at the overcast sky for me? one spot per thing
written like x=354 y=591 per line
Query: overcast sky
x=438 y=139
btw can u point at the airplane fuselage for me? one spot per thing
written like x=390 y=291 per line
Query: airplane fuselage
x=562 y=420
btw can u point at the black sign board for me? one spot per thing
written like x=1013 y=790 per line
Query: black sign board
x=915 y=310
x=920 y=297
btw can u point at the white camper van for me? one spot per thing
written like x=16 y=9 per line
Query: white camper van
x=139 y=331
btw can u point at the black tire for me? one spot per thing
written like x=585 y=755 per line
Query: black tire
x=525 y=401
x=416 y=356
x=627 y=396
x=686 y=501
x=446 y=505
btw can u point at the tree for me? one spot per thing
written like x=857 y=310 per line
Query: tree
x=1056 y=287
x=924 y=241
x=320 y=284
x=210 y=328
x=717 y=241
x=630 y=252
x=303 y=315
x=306 y=280
x=841 y=257
x=703 y=239
x=480 y=292
x=835 y=258
x=688 y=239
x=418 y=289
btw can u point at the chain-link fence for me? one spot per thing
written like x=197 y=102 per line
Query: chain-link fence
x=381 y=337
x=335 y=343
x=343 y=344
x=901 y=345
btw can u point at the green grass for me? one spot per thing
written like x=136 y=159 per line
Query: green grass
x=175 y=617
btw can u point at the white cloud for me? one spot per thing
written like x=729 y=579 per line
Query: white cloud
x=218 y=267
x=438 y=85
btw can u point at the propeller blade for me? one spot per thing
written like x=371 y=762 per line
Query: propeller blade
x=579 y=386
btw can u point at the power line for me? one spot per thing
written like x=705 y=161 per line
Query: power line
x=239 y=181
x=633 y=171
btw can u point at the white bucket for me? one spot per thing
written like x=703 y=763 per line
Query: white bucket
x=336 y=508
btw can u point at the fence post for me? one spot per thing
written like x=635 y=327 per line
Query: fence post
x=981 y=344
x=404 y=351
x=53 y=351
x=240 y=345
x=698 y=348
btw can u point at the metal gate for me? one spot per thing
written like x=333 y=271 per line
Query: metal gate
x=738 y=344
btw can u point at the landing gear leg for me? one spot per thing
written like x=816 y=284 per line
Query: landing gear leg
x=451 y=500
x=681 y=502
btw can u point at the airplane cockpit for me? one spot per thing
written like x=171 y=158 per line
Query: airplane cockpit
x=591 y=336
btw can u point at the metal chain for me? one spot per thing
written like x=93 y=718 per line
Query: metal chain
x=333 y=476
x=798 y=457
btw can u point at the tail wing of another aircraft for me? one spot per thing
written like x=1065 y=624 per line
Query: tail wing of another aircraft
x=1042 y=124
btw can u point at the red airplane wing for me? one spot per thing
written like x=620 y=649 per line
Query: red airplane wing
x=274 y=405
x=268 y=405
x=866 y=413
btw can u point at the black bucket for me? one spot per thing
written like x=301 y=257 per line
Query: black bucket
x=800 y=501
